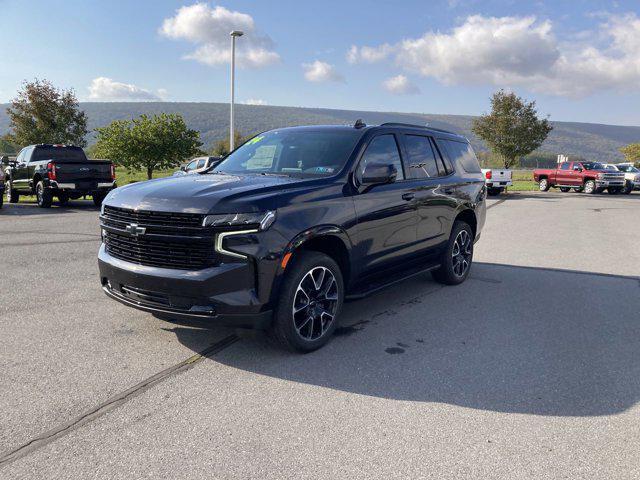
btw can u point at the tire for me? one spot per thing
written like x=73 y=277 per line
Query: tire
x=304 y=328
x=454 y=268
x=98 y=198
x=613 y=191
x=578 y=189
x=544 y=185
x=590 y=187
x=565 y=189
x=63 y=199
x=494 y=192
x=628 y=188
x=1 y=200
x=12 y=195
x=43 y=195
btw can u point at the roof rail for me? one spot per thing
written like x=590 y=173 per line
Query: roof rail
x=399 y=124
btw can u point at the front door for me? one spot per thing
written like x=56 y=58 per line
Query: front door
x=386 y=214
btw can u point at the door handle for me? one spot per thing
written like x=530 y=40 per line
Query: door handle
x=408 y=196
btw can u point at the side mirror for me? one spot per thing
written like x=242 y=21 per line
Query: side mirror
x=184 y=169
x=379 y=173
x=577 y=169
x=4 y=160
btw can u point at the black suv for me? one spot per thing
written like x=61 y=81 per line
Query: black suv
x=293 y=222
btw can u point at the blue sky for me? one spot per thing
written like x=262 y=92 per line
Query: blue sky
x=580 y=60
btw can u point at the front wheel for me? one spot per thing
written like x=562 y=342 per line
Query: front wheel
x=613 y=190
x=12 y=195
x=310 y=302
x=590 y=187
x=43 y=195
x=628 y=188
x=63 y=199
x=544 y=185
x=457 y=258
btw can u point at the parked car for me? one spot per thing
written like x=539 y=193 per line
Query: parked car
x=61 y=171
x=198 y=165
x=293 y=222
x=631 y=176
x=496 y=180
x=4 y=160
x=590 y=177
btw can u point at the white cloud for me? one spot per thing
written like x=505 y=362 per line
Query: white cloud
x=369 y=54
x=521 y=51
x=107 y=90
x=318 y=72
x=255 y=101
x=400 y=85
x=208 y=28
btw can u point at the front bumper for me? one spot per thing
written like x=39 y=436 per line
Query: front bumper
x=610 y=183
x=225 y=294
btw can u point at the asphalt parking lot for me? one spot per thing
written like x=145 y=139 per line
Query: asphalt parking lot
x=531 y=369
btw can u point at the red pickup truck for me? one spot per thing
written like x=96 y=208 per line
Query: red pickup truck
x=590 y=177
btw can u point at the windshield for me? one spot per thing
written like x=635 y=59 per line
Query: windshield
x=628 y=169
x=293 y=152
x=594 y=166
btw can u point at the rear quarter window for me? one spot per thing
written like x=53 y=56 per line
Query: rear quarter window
x=58 y=153
x=462 y=154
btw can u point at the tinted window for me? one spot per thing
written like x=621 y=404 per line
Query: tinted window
x=58 y=153
x=382 y=149
x=564 y=166
x=422 y=161
x=443 y=158
x=461 y=152
x=296 y=152
x=201 y=163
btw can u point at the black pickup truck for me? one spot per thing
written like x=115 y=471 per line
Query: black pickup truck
x=61 y=171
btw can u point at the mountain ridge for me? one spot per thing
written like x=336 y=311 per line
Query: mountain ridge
x=589 y=140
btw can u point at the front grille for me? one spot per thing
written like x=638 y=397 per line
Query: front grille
x=143 y=250
x=166 y=223
x=613 y=176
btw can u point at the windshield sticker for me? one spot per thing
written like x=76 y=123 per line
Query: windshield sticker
x=254 y=140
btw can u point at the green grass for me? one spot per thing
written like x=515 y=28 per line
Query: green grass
x=123 y=177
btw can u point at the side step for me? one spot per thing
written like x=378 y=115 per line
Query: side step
x=374 y=287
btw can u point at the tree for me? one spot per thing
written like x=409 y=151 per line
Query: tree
x=7 y=146
x=631 y=152
x=221 y=147
x=513 y=128
x=42 y=113
x=149 y=143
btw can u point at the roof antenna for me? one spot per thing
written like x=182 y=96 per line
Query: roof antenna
x=359 y=124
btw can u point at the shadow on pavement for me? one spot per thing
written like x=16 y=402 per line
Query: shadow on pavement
x=511 y=339
x=31 y=208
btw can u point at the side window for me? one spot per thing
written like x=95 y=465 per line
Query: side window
x=201 y=163
x=422 y=161
x=191 y=165
x=564 y=166
x=20 y=157
x=382 y=149
x=461 y=153
x=442 y=156
x=27 y=154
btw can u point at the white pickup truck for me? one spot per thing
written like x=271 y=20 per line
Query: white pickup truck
x=631 y=176
x=496 y=180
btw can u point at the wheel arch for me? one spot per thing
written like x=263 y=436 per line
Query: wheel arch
x=468 y=216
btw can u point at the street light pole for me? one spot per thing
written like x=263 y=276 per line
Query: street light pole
x=234 y=34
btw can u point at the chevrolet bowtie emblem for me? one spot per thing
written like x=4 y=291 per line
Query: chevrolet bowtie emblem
x=135 y=230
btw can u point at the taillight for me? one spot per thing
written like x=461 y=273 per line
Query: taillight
x=51 y=170
x=113 y=172
x=488 y=175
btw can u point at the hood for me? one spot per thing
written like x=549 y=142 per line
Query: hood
x=202 y=193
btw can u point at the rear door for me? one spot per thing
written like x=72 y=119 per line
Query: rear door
x=19 y=174
x=564 y=174
x=386 y=214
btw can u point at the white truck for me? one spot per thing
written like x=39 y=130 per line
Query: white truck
x=631 y=176
x=497 y=179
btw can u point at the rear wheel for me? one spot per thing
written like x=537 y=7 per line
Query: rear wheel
x=544 y=185
x=492 y=192
x=565 y=189
x=310 y=302
x=43 y=195
x=98 y=198
x=12 y=195
x=63 y=199
x=456 y=259
x=590 y=187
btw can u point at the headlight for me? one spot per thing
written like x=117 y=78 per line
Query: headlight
x=600 y=175
x=262 y=220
